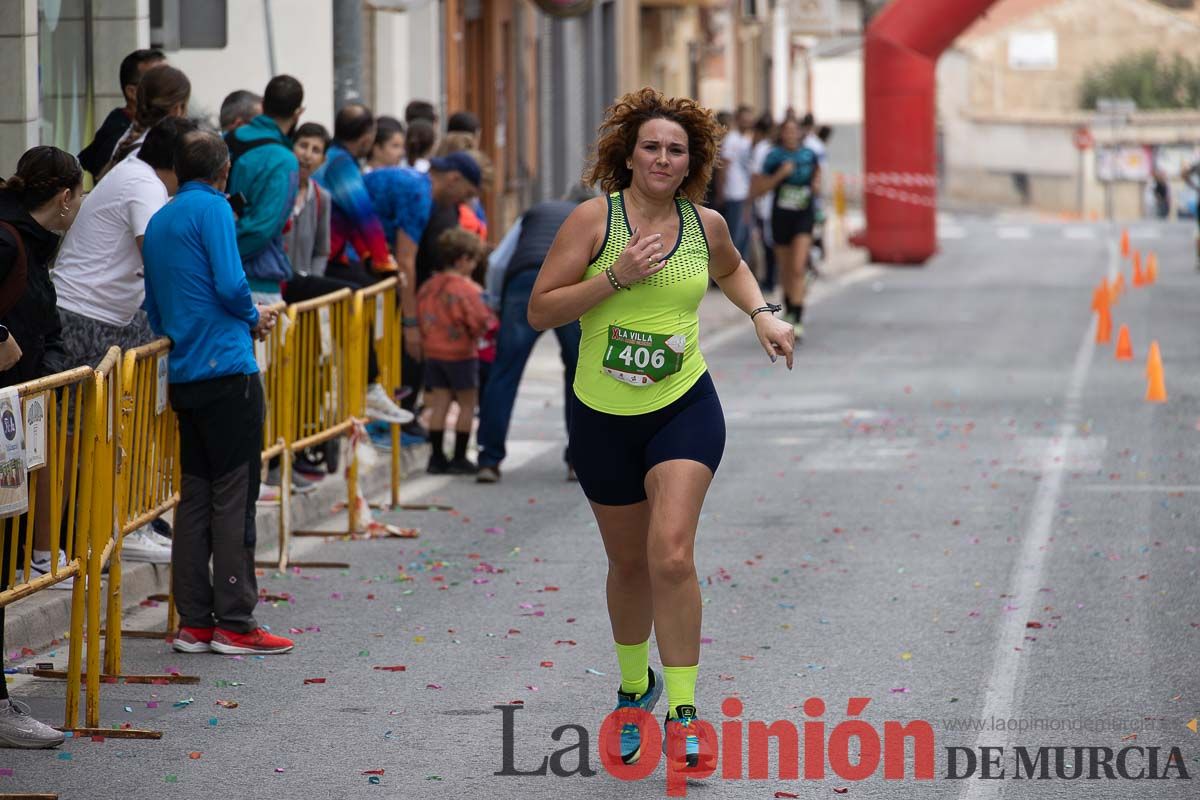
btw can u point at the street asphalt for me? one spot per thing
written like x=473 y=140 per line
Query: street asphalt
x=957 y=506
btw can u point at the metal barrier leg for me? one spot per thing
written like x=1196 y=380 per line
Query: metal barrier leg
x=396 y=464
x=75 y=646
x=100 y=530
x=112 y=638
x=285 y=525
x=396 y=505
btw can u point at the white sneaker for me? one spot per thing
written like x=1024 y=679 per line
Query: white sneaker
x=156 y=537
x=268 y=489
x=41 y=566
x=268 y=495
x=18 y=729
x=301 y=484
x=383 y=408
x=138 y=546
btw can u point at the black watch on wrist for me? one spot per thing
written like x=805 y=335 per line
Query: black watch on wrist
x=3 y=334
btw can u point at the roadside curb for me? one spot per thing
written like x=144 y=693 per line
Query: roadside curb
x=39 y=620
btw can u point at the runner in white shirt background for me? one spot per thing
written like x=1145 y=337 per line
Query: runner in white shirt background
x=736 y=151
x=764 y=140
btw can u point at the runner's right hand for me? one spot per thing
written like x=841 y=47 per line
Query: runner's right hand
x=785 y=169
x=640 y=259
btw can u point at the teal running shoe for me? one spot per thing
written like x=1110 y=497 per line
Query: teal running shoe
x=631 y=738
x=679 y=726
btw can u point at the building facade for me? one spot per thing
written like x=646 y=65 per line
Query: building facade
x=540 y=82
x=1009 y=108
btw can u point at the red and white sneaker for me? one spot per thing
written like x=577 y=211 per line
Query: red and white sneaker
x=256 y=642
x=193 y=640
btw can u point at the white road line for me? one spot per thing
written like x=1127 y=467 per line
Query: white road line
x=1145 y=233
x=1015 y=232
x=1138 y=488
x=1004 y=682
x=951 y=232
x=1077 y=232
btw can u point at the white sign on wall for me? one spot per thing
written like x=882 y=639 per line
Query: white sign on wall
x=1033 y=50
x=813 y=16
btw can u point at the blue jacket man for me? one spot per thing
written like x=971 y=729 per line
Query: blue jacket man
x=267 y=174
x=197 y=296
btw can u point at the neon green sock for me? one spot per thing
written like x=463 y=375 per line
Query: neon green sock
x=681 y=687
x=635 y=665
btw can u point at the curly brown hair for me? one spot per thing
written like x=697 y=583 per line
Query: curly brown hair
x=618 y=137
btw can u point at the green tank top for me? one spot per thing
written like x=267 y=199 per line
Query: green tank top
x=640 y=350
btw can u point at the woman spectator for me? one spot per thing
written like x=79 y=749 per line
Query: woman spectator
x=418 y=144
x=163 y=91
x=388 y=149
x=38 y=202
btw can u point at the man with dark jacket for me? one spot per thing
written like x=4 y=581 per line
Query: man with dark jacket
x=95 y=156
x=512 y=270
x=265 y=171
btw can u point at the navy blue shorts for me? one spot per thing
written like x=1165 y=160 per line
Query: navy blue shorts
x=612 y=453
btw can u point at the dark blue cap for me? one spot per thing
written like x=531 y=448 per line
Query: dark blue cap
x=459 y=162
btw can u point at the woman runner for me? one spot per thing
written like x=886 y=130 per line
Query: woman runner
x=791 y=171
x=647 y=431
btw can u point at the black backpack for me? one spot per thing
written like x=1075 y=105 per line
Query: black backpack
x=239 y=148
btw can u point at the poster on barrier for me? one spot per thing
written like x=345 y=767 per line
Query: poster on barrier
x=160 y=384
x=326 y=331
x=262 y=356
x=35 y=431
x=14 y=493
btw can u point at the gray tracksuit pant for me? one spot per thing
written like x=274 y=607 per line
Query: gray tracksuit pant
x=220 y=446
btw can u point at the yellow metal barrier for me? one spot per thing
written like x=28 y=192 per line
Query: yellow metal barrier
x=319 y=396
x=148 y=475
x=271 y=356
x=382 y=330
x=59 y=504
x=104 y=433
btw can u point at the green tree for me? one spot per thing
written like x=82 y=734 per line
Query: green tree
x=1147 y=78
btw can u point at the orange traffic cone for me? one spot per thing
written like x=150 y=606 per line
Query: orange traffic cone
x=1100 y=296
x=1118 y=286
x=1156 y=389
x=1124 y=348
x=1151 y=269
x=1138 y=278
x=1125 y=243
x=1103 y=325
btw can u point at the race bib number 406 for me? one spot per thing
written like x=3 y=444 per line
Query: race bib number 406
x=641 y=359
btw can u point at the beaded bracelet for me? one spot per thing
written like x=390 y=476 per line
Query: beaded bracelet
x=771 y=307
x=612 y=279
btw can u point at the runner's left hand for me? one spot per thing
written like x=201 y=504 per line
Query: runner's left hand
x=777 y=337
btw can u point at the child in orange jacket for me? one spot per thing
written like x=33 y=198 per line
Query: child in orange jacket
x=453 y=316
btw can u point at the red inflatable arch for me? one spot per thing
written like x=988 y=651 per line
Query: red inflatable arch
x=903 y=44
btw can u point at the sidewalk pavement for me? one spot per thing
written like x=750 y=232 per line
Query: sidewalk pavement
x=41 y=621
